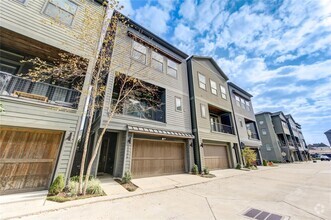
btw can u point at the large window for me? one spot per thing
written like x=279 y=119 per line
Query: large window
x=172 y=68
x=237 y=100
x=61 y=10
x=213 y=87
x=178 y=102
x=139 y=52
x=223 y=92
x=157 y=61
x=202 y=81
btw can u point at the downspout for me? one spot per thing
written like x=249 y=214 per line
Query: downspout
x=240 y=156
x=196 y=145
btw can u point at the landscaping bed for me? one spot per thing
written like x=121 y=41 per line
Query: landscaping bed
x=129 y=186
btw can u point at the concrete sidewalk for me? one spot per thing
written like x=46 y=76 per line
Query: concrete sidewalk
x=12 y=209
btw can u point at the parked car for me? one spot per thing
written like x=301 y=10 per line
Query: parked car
x=326 y=158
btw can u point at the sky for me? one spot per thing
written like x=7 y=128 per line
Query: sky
x=277 y=50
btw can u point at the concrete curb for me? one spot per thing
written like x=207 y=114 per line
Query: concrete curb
x=147 y=192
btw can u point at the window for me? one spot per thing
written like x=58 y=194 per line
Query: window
x=172 y=68
x=223 y=92
x=242 y=103
x=237 y=100
x=241 y=123
x=202 y=81
x=267 y=146
x=213 y=87
x=203 y=110
x=261 y=122
x=61 y=10
x=178 y=102
x=248 y=106
x=139 y=52
x=264 y=131
x=157 y=61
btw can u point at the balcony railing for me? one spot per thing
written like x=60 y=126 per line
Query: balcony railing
x=253 y=136
x=218 y=127
x=11 y=85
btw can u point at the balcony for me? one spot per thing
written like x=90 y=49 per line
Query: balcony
x=14 y=86
x=253 y=136
x=218 y=127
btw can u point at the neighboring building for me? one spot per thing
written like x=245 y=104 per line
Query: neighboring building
x=271 y=148
x=153 y=142
x=302 y=143
x=216 y=143
x=41 y=120
x=328 y=136
x=294 y=131
x=245 y=121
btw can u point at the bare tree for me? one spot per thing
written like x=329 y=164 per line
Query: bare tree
x=128 y=80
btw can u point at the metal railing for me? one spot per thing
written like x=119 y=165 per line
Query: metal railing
x=253 y=136
x=218 y=127
x=15 y=86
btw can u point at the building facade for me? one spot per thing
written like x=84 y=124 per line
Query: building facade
x=41 y=120
x=244 y=117
x=328 y=136
x=139 y=139
x=216 y=142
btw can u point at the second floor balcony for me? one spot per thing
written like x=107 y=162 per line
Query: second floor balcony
x=220 y=120
x=217 y=127
x=15 y=86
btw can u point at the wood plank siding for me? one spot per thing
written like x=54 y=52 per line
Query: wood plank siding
x=153 y=158
x=27 y=158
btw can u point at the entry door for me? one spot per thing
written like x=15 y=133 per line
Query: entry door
x=107 y=153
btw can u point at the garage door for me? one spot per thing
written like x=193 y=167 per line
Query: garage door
x=27 y=158
x=153 y=158
x=216 y=156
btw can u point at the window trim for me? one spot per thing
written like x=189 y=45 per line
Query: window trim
x=74 y=15
x=200 y=81
x=176 y=77
x=237 y=98
x=223 y=94
x=152 y=59
x=132 y=50
x=181 y=104
x=242 y=103
x=203 y=106
x=211 y=88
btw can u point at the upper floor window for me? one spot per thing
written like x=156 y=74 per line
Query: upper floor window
x=172 y=68
x=223 y=92
x=202 y=81
x=242 y=103
x=264 y=131
x=203 y=110
x=237 y=100
x=268 y=148
x=241 y=123
x=261 y=122
x=178 y=102
x=157 y=61
x=61 y=10
x=248 y=106
x=139 y=52
x=213 y=87
x=284 y=124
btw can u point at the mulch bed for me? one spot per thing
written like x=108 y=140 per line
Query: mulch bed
x=208 y=175
x=128 y=186
x=63 y=197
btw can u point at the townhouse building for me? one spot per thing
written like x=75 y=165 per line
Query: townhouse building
x=140 y=139
x=293 y=127
x=41 y=120
x=216 y=142
x=244 y=117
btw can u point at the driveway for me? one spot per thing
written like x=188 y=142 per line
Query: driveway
x=295 y=191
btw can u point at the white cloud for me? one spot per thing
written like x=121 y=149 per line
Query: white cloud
x=184 y=33
x=127 y=7
x=188 y=10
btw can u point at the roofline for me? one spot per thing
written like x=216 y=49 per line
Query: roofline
x=290 y=116
x=240 y=89
x=214 y=63
x=262 y=113
x=153 y=36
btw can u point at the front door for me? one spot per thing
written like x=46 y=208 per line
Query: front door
x=107 y=153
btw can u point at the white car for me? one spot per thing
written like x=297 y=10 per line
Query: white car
x=323 y=157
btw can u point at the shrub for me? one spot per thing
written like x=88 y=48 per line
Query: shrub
x=76 y=178
x=93 y=187
x=73 y=187
x=206 y=171
x=249 y=155
x=57 y=186
x=265 y=163
x=195 y=169
x=238 y=167
x=127 y=177
x=270 y=163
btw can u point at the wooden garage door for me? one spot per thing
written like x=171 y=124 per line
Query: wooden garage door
x=153 y=158
x=27 y=158
x=216 y=156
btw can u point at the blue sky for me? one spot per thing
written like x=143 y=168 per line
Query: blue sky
x=280 y=51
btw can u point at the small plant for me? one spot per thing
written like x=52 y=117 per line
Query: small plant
x=238 y=167
x=57 y=186
x=265 y=163
x=76 y=178
x=270 y=163
x=73 y=187
x=195 y=169
x=93 y=187
x=206 y=171
x=127 y=177
x=250 y=156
